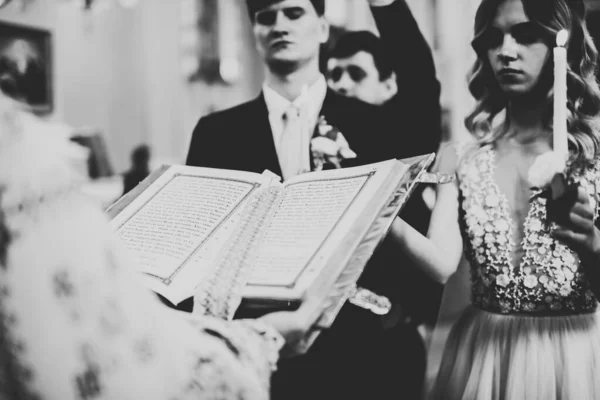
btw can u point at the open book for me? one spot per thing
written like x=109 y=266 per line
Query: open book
x=236 y=235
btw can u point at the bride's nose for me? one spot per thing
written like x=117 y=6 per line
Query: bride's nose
x=508 y=49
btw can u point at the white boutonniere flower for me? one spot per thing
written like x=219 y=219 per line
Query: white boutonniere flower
x=329 y=147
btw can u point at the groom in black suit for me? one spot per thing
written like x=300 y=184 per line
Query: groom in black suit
x=351 y=360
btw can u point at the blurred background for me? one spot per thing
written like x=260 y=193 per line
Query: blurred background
x=129 y=76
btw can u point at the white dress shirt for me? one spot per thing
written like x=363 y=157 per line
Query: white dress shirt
x=309 y=102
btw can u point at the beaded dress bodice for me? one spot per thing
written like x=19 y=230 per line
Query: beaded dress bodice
x=548 y=278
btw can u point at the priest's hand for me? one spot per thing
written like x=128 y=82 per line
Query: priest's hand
x=575 y=227
x=294 y=326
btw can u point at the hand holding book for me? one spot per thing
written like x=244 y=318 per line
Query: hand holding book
x=295 y=326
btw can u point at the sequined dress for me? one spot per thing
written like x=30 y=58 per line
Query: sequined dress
x=532 y=330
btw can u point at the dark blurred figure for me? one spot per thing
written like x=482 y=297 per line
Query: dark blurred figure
x=99 y=165
x=140 y=168
x=396 y=72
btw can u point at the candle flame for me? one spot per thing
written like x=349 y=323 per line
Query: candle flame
x=561 y=38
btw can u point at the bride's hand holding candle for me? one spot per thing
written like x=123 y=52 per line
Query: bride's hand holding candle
x=575 y=227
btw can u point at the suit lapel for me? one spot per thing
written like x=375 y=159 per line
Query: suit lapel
x=328 y=108
x=337 y=115
x=265 y=154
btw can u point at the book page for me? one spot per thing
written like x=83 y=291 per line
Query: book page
x=177 y=229
x=309 y=211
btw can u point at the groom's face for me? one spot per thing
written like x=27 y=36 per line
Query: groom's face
x=289 y=32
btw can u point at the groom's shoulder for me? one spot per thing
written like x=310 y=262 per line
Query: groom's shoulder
x=233 y=115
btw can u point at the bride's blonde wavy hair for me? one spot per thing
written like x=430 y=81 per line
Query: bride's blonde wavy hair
x=583 y=95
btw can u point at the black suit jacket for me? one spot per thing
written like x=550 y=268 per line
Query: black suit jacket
x=240 y=138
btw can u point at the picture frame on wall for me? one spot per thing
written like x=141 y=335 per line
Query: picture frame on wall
x=26 y=66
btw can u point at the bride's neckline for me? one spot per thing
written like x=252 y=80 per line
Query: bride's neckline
x=507 y=210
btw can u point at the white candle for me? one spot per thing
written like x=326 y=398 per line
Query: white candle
x=561 y=145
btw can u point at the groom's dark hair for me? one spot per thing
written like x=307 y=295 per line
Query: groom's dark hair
x=256 y=5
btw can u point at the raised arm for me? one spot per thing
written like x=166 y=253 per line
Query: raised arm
x=413 y=64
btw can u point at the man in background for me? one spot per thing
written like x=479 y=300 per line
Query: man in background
x=359 y=68
x=396 y=72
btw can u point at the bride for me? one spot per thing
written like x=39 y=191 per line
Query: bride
x=532 y=330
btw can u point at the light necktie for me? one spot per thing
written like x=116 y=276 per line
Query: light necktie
x=293 y=154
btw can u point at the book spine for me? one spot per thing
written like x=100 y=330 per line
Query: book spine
x=221 y=294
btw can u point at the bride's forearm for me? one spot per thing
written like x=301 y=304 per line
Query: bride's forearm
x=436 y=262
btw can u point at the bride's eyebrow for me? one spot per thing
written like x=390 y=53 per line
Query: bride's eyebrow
x=519 y=26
